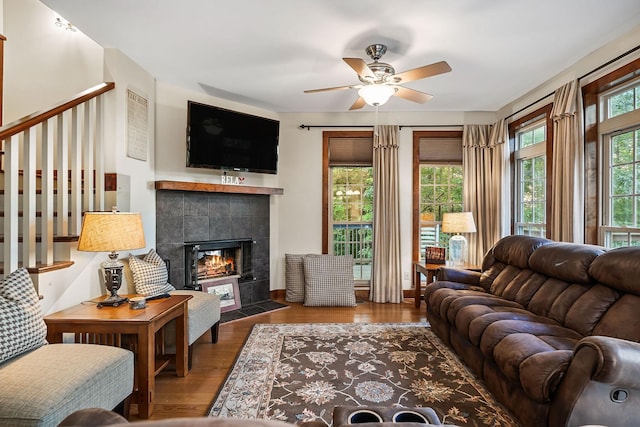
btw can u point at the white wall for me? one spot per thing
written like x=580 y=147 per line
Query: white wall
x=45 y=65
x=171 y=119
x=585 y=66
x=299 y=228
x=127 y=75
x=37 y=53
x=83 y=281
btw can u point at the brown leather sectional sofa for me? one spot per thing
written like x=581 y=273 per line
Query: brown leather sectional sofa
x=551 y=328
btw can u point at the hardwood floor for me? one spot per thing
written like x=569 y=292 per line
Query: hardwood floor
x=192 y=395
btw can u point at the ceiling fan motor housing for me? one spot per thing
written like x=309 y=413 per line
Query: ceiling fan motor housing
x=382 y=70
x=375 y=51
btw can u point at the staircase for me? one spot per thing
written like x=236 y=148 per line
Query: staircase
x=52 y=170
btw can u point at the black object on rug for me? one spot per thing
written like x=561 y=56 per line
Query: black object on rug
x=300 y=372
x=251 y=310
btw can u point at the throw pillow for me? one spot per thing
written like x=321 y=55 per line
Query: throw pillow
x=329 y=281
x=150 y=276
x=294 y=277
x=22 y=327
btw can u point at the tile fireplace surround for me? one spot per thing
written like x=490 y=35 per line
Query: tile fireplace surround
x=186 y=216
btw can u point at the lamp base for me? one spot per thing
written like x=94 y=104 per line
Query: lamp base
x=113 y=301
x=457 y=250
x=113 y=281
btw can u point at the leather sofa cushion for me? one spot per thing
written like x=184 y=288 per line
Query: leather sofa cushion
x=497 y=331
x=565 y=261
x=487 y=300
x=619 y=269
x=587 y=311
x=438 y=295
x=514 y=250
x=478 y=318
x=447 y=301
x=626 y=310
x=533 y=362
x=533 y=354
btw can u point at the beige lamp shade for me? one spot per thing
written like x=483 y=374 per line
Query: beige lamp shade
x=458 y=222
x=111 y=232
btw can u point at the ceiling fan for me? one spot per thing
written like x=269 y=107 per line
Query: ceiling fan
x=380 y=81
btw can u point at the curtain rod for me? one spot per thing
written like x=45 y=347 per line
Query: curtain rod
x=308 y=127
x=598 y=68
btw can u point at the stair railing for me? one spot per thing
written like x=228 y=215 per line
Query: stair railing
x=66 y=143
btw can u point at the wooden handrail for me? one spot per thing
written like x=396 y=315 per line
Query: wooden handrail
x=26 y=122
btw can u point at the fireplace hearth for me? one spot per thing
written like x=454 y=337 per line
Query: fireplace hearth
x=206 y=261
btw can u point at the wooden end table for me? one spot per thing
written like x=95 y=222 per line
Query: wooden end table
x=429 y=271
x=124 y=327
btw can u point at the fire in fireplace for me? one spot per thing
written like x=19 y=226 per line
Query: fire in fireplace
x=213 y=264
x=213 y=259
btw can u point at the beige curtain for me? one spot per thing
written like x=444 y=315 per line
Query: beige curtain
x=567 y=173
x=386 y=277
x=484 y=157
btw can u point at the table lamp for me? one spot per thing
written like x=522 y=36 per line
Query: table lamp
x=111 y=232
x=458 y=222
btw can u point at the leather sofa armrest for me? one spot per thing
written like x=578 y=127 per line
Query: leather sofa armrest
x=600 y=385
x=617 y=361
x=451 y=274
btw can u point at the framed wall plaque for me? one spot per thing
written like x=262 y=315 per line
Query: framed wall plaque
x=137 y=126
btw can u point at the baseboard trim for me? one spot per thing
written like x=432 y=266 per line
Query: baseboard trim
x=360 y=293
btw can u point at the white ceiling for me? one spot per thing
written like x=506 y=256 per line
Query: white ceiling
x=265 y=53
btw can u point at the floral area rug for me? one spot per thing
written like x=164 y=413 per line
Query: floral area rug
x=300 y=372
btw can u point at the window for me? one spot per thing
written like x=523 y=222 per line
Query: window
x=620 y=133
x=623 y=101
x=352 y=216
x=531 y=180
x=531 y=138
x=611 y=122
x=348 y=199
x=438 y=183
x=440 y=192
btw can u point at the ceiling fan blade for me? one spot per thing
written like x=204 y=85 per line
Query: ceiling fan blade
x=360 y=67
x=326 y=89
x=412 y=94
x=422 y=72
x=358 y=104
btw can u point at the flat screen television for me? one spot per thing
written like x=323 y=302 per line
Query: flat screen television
x=218 y=138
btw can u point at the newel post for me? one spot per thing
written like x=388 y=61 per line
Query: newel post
x=2 y=40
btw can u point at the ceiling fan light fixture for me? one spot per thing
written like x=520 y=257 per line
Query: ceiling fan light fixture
x=376 y=94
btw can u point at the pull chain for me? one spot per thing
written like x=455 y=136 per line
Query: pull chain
x=375 y=126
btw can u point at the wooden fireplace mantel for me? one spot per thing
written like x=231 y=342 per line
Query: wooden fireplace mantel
x=217 y=188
